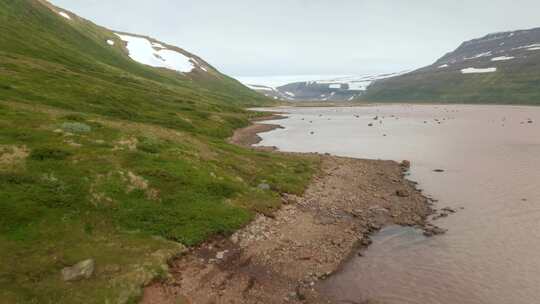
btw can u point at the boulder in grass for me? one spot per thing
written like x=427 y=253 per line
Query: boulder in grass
x=79 y=271
x=264 y=186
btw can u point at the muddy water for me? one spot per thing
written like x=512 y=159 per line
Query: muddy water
x=491 y=161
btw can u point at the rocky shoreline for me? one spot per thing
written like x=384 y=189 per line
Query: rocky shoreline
x=249 y=136
x=281 y=258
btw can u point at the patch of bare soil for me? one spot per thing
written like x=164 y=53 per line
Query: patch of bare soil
x=281 y=259
x=11 y=156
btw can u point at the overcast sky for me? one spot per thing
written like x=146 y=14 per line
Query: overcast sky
x=300 y=37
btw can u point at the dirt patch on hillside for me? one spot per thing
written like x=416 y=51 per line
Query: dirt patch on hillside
x=11 y=156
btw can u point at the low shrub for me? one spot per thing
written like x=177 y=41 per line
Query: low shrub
x=49 y=154
x=76 y=127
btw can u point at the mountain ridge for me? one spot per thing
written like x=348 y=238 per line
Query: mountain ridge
x=331 y=89
x=501 y=67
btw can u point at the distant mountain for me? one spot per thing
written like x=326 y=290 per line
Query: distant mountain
x=498 y=68
x=268 y=91
x=346 y=88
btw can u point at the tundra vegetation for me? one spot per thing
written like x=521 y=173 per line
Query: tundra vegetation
x=106 y=159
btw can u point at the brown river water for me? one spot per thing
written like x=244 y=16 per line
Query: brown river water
x=491 y=161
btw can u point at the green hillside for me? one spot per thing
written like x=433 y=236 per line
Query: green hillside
x=50 y=60
x=103 y=158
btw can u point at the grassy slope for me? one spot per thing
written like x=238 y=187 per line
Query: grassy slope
x=103 y=158
x=47 y=59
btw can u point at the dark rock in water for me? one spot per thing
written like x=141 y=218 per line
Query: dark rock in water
x=311 y=132
x=405 y=164
x=530 y=121
x=370 y=125
x=438 y=170
x=79 y=271
x=433 y=230
x=366 y=242
x=441 y=215
x=448 y=210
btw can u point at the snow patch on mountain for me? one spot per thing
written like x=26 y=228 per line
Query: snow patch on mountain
x=358 y=83
x=478 y=71
x=143 y=51
x=259 y=87
x=502 y=58
x=486 y=54
x=529 y=46
x=65 y=15
x=110 y=42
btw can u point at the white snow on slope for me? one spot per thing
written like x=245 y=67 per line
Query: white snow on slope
x=486 y=54
x=478 y=71
x=290 y=94
x=502 y=58
x=335 y=86
x=356 y=83
x=443 y=66
x=359 y=83
x=65 y=15
x=258 y=87
x=536 y=48
x=157 y=45
x=110 y=42
x=277 y=81
x=141 y=50
x=536 y=45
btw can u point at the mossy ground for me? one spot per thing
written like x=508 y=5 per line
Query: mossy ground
x=105 y=158
x=105 y=194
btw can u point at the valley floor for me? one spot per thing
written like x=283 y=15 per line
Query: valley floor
x=281 y=257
